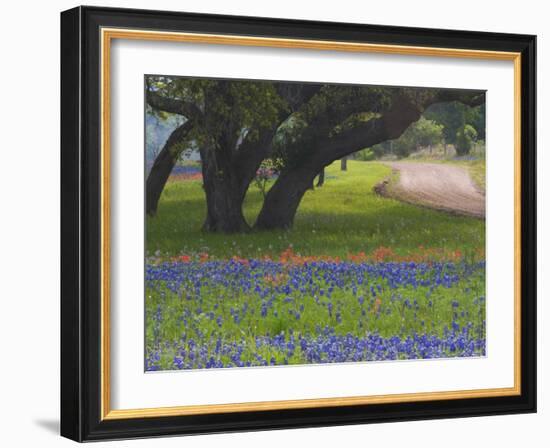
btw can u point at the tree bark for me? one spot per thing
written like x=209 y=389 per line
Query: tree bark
x=321 y=178
x=344 y=164
x=283 y=198
x=225 y=190
x=162 y=167
x=224 y=207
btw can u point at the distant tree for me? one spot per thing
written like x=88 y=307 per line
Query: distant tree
x=382 y=149
x=365 y=155
x=452 y=116
x=344 y=163
x=422 y=133
x=465 y=140
x=427 y=133
x=475 y=116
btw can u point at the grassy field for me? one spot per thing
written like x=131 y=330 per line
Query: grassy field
x=234 y=314
x=343 y=216
x=358 y=278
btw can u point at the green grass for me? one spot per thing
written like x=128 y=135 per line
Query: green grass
x=476 y=169
x=341 y=217
x=379 y=318
x=210 y=311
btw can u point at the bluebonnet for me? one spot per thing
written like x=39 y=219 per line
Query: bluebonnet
x=241 y=296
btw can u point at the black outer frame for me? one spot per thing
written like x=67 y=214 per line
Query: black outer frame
x=80 y=224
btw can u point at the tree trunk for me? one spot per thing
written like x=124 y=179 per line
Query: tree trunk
x=224 y=209
x=344 y=164
x=225 y=191
x=284 y=197
x=321 y=178
x=157 y=179
x=162 y=167
x=227 y=177
x=282 y=200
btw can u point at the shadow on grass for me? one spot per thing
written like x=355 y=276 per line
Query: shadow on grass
x=341 y=217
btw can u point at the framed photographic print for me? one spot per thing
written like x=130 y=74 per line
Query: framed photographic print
x=274 y=224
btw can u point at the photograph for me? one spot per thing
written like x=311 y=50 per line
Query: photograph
x=273 y=223
x=292 y=223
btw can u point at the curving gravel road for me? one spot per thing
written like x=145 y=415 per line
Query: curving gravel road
x=443 y=187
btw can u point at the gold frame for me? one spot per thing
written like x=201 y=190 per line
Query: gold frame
x=107 y=35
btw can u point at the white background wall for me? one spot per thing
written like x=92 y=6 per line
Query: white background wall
x=29 y=223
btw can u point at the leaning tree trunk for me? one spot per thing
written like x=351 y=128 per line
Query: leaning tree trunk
x=321 y=178
x=162 y=167
x=282 y=200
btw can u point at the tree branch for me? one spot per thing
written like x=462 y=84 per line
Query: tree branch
x=296 y=94
x=173 y=106
x=468 y=98
x=390 y=125
x=253 y=150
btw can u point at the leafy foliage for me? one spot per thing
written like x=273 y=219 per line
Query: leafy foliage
x=465 y=139
x=454 y=116
x=365 y=155
x=333 y=110
x=421 y=133
x=230 y=110
x=268 y=170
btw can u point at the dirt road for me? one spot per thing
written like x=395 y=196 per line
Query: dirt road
x=439 y=186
